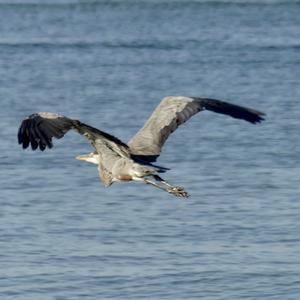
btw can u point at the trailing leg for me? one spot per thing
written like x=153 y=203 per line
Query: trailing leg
x=175 y=190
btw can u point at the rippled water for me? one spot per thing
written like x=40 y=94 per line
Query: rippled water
x=108 y=63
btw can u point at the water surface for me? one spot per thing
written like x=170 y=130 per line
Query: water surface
x=108 y=63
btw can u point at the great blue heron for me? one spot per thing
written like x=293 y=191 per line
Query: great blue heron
x=118 y=161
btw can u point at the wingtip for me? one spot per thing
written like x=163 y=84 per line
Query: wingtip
x=259 y=118
x=35 y=139
x=20 y=134
x=20 y=140
x=25 y=145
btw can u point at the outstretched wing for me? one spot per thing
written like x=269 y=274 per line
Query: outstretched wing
x=38 y=130
x=174 y=111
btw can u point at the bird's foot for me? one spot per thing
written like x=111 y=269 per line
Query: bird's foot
x=178 y=191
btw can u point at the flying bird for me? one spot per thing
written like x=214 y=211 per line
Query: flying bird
x=134 y=161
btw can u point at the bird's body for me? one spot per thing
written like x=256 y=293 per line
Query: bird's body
x=118 y=161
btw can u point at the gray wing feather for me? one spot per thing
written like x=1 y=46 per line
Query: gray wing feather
x=39 y=128
x=174 y=111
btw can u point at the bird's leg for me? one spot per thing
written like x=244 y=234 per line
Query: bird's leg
x=175 y=190
x=159 y=179
x=147 y=181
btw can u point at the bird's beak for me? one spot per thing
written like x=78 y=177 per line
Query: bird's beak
x=91 y=158
x=82 y=157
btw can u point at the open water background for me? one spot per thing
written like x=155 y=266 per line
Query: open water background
x=108 y=63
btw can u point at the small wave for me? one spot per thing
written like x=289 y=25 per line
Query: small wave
x=158 y=45
x=45 y=44
x=66 y=43
x=281 y=47
x=275 y=46
x=137 y=44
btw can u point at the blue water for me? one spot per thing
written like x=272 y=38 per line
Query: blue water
x=108 y=63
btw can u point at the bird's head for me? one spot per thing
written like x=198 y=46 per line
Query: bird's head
x=92 y=157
